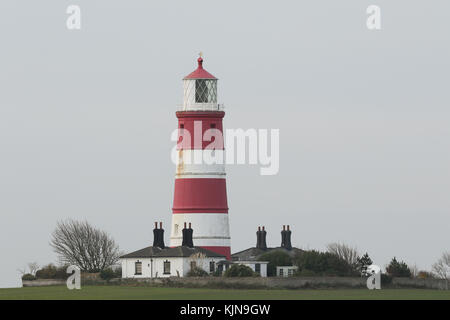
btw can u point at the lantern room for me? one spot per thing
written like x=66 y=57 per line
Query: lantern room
x=200 y=90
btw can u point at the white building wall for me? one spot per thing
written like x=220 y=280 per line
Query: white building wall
x=178 y=266
x=286 y=271
x=201 y=263
x=151 y=268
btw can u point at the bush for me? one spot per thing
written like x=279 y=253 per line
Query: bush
x=386 y=279
x=52 y=272
x=398 y=269
x=118 y=272
x=28 y=277
x=239 y=270
x=425 y=275
x=275 y=259
x=322 y=264
x=107 y=274
x=197 y=272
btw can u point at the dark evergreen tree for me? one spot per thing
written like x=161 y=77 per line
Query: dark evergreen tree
x=398 y=269
x=362 y=263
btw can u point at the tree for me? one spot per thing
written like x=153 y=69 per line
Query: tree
x=239 y=270
x=442 y=267
x=33 y=267
x=362 y=263
x=398 y=269
x=197 y=272
x=315 y=263
x=108 y=274
x=79 y=243
x=345 y=252
x=275 y=259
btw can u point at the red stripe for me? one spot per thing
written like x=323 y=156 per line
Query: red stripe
x=200 y=195
x=226 y=251
x=195 y=210
x=187 y=124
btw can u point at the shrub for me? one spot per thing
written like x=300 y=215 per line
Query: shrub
x=197 y=272
x=398 y=269
x=217 y=273
x=107 y=274
x=386 y=279
x=28 y=277
x=118 y=272
x=425 y=275
x=239 y=270
x=275 y=259
x=50 y=271
x=322 y=264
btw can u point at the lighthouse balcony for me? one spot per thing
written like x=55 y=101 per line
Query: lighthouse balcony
x=201 y=107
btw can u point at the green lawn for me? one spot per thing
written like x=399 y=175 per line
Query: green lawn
x=152 y=293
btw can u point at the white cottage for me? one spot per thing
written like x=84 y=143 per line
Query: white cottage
x=154 y=262
x=160 y=261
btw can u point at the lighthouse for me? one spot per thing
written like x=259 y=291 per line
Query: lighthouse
x=200 y=196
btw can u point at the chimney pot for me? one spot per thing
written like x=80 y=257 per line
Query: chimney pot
x=189 y=225
x=185 y=225
x=156 y=225
x=160 y=225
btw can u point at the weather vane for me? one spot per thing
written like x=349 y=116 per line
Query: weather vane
x=200 y=54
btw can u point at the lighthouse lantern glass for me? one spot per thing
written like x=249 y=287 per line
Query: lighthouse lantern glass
x=200 y=94
x=205 y=91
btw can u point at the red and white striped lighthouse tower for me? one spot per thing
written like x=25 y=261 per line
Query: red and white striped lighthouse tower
x=200 y=188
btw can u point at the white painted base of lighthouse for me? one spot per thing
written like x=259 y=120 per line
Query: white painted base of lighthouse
x=210 y=229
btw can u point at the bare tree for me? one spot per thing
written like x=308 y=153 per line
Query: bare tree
x=442 y=267
x=79 y=243
x=33 y=267
x=345 y=252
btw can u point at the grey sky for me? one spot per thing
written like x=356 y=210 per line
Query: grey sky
x=86 y=117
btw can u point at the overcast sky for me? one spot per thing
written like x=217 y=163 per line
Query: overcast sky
x=86 y=118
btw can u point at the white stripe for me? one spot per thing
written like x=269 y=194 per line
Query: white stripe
x=210 y=229
x=200 y=162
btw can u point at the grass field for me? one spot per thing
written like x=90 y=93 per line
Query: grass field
x=152 y=293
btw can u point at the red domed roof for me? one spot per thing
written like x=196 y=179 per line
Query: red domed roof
x=200 y=73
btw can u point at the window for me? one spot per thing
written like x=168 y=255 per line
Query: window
x=205 y=91
x=212 y=266
x=193 y=265
x=182 y=126
x=138 y=268
x=201 y=91
x=212 y=125
x=290 y=272
x=258 y=268
x=281 y=271
x=167 y=267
